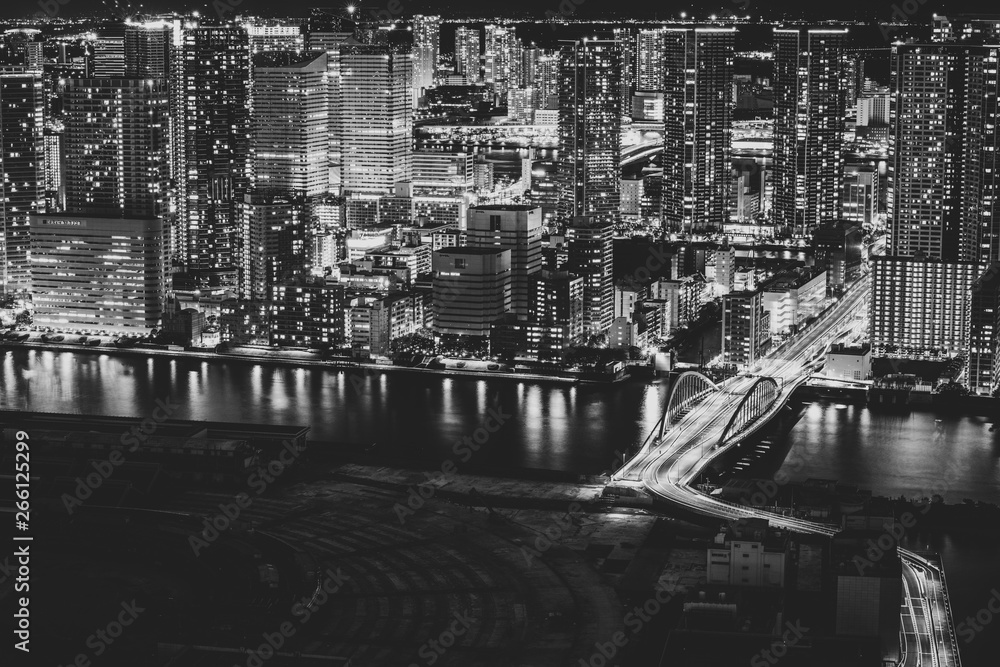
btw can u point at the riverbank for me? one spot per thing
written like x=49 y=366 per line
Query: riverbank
x=369 y=368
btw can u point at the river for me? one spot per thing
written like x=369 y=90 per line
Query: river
x=546 y=426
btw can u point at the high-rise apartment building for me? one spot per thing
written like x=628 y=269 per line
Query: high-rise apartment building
x=290 y=122
x=426 y=43
x=517 y=228
x=591 y=256
x=697 y=105
x=650 y=60
x=984 y=332
x=920 y=304
x=590 y=111
x=943 y=167
x=116 y=142
x=502 y=60
x=746 y=327
x=212 y=145
x=809 y=111
x=22 y=173
x=468 y=45
x=375 y=111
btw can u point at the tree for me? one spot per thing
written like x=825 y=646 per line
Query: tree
x=23 y=318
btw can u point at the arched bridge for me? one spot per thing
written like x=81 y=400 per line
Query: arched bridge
x=757 y=401
x=687 y=390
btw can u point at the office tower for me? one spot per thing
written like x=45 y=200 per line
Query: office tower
x=808 y=126
x=440 y=173
x=502 y=60
x=375 y=110
x=290 y=122
x=468 y=45
x=590 y=110
x=212 y=145
x=275 y=37
x=697 y=104
x=426 y=43
x=517 y=228
x=591 y=256
x=745 y=328
x=97 y=273
x=920 y=303
x=22 y=171
x=651 y=56
x=116 y=147
x=471 y=290
x=330 y=39
x=108 y=55
x=147 y=49
x=943 y=171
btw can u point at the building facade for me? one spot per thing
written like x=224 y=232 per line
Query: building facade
x=97 y=273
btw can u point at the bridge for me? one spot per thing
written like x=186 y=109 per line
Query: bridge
x=701 y=420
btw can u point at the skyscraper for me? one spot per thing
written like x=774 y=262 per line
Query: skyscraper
x=590 y=111
x=426 y=43
x=468 y=44
x=697 y=80
x=650 y=59
x=808 y=126
x=116 y=147
x=375 y=110
x=502 y=60
x=108 y=55
x=22 y=188
x=213 y=145
x=147 y=49
x=591 y=256
x=290 y=122
x=943 y=169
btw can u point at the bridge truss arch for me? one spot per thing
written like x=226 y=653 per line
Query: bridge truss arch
x=687 y=390
x=758 y=400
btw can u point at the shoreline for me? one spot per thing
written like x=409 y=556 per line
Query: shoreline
x=301 y=363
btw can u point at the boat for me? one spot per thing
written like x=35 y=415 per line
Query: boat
x=94 y=342
x=58 y=338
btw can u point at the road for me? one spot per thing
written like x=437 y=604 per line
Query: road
x=668 y=468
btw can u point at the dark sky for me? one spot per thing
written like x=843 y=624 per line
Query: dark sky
x=841 y=9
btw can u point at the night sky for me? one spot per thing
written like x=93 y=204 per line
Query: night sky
x=841 y=9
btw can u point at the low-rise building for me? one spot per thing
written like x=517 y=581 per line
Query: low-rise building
x=845 y=362
x=748 y=553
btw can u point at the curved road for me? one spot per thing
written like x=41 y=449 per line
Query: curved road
x=667 y=469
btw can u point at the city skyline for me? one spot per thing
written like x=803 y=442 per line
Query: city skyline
x=598 y=341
